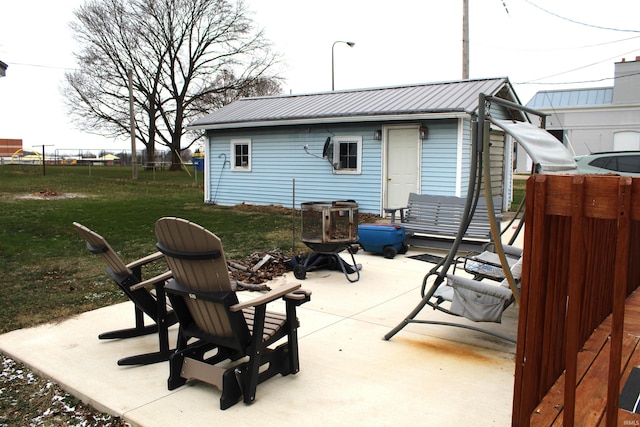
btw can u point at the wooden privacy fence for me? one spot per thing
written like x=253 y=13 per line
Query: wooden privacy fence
x=581 y=262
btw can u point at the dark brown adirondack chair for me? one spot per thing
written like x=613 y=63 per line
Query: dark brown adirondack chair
x=212 y=318
x=153 y=304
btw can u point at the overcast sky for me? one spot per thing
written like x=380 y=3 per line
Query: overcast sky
x=537 y=44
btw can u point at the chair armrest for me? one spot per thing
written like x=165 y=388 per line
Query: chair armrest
x=514 y=251
x=462 y=259
x=300 y=296
x=153 y=281
x=479 y=287
x=146 y=260
x=509 y=250
x=268 y=297
x=393 y=211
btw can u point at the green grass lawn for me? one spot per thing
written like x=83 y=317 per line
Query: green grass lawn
x=46 y=273
x=519 y=188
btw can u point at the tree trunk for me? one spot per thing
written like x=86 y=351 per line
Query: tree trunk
x=151 y=155
x=176 y=137
x=176 y=161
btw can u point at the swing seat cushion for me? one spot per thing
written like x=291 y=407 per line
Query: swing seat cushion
x=478 y=301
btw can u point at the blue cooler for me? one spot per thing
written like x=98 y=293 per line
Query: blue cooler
x=386 y=239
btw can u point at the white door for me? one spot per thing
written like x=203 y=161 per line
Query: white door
x=403 y=165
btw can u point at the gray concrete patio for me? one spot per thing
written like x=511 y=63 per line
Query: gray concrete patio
x=426 y=375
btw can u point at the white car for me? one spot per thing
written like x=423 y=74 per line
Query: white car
x=615 y=162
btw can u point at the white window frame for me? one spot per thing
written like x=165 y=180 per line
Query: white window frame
x=337 y=140
x=234 y=144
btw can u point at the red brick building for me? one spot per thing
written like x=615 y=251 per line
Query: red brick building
x=9 y=146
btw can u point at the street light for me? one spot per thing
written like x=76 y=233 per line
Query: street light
x=350 y=44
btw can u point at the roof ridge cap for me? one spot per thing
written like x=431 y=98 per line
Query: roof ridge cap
x=371 y=89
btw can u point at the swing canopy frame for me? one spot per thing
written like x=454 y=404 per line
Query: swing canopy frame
x=473 y=299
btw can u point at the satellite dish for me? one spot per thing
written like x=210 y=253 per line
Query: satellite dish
x=327 y=151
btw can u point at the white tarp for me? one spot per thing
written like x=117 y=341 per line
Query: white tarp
x=544 y=149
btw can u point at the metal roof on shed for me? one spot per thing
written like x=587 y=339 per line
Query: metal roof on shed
x=571 y=98
x=447 y=97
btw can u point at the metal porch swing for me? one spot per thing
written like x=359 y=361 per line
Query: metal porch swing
x=473 y=298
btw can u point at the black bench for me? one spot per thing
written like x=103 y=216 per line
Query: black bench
x=433 y=221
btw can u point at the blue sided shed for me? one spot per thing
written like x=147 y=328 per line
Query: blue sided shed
x=374 y=146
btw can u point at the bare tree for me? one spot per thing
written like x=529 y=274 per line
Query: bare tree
x=187 y=56
x=226 y=88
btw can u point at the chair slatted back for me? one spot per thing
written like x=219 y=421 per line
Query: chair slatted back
x=98 y=245
x=118 y=270
x=206 y=273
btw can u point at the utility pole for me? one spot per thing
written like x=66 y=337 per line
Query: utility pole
x=465 y=39
x=44 y=159
x=132 y=125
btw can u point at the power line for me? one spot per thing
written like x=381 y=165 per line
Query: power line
x=505 y=7
x=547 y=49
x=564 y=83
x=41 y=66
x=578 y=22
x=579 y=68
x=579 y=82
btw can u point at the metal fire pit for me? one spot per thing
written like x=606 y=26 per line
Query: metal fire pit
x=329 y=228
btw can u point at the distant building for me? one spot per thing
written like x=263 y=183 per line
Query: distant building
x=594 y=119
x=9 y=146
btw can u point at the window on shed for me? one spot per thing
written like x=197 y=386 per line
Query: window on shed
x=241 y=154
x=347 y=154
